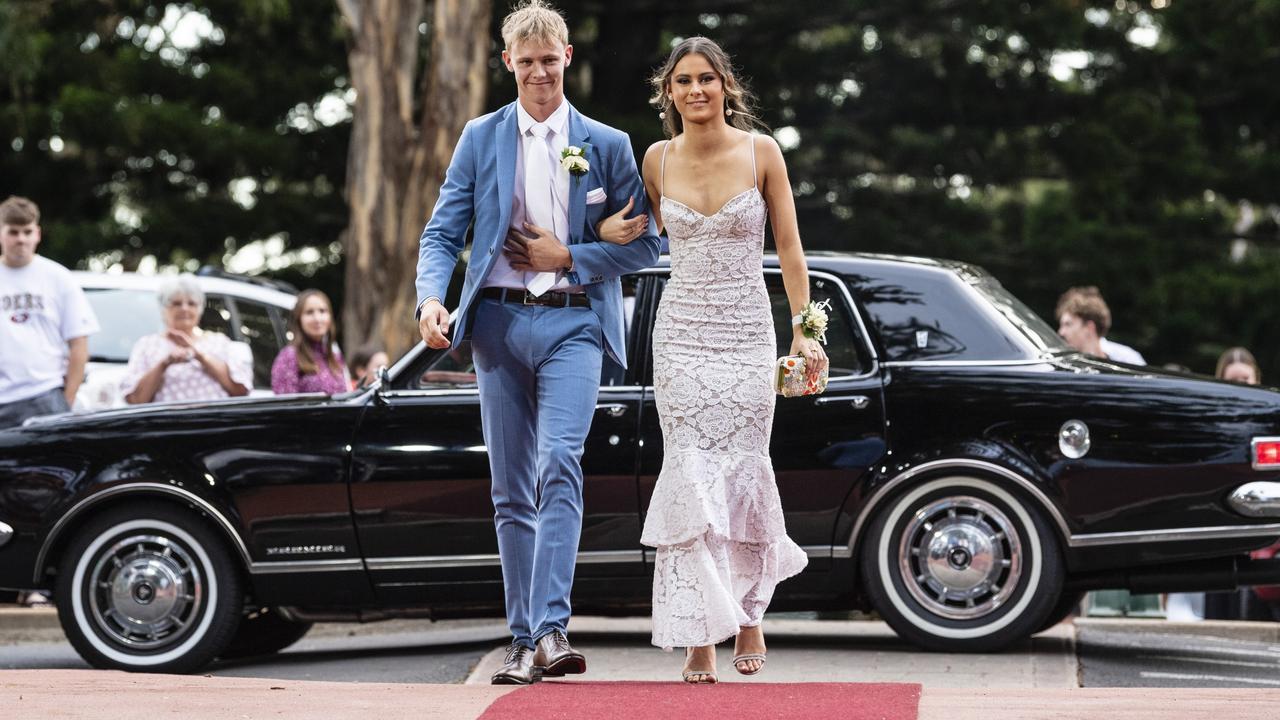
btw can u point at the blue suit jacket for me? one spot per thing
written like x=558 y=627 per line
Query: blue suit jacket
x=479 y=187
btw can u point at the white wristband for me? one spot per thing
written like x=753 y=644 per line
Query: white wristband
x=796 y=320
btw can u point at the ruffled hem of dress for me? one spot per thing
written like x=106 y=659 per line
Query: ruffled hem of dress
x=734 y=497
x=717 y=612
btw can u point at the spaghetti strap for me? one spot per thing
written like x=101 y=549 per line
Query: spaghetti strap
x=755 y=181
x=662 y=169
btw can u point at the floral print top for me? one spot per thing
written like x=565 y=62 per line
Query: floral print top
x=287 y=377
x=188 y=381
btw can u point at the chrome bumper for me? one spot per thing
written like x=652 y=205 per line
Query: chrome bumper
x=1256 y=499
x=6 y=534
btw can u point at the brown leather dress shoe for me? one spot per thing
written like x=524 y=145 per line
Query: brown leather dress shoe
x=517 y=668
x=555 y=657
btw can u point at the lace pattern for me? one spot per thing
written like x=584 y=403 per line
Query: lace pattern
x=715 y=516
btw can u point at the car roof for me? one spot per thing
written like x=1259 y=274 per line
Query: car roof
x=210 y=285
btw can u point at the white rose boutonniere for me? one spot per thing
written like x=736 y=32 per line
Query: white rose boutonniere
x=574 y=161
x=813 y=320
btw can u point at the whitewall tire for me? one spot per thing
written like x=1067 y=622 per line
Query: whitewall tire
x=148 y=587
x=961 y=564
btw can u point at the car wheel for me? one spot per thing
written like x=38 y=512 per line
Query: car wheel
x=264 y=632
x=961 y=564
x=148 y=587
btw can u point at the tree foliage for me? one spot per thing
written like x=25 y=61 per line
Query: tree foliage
x=1124 y=144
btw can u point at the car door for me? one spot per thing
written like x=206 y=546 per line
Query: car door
x=421 y=486
x=821 y=445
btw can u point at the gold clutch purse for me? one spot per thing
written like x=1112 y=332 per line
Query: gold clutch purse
x=790 y=380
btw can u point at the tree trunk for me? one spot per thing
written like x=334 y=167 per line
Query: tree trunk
x=397 y=161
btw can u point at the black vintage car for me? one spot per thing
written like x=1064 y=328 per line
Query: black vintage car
x=965 y=474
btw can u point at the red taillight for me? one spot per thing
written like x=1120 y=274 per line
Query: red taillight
x=1266 y=453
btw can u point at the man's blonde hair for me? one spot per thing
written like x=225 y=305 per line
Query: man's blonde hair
x=17 y=210
x=534 y=20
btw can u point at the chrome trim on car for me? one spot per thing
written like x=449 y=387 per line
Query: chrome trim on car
x=1253 y=453
x=411 y=356
x=964 y=363
x=1219 y=532
x=306 y=566
x=432 y=562
x=1255 y=499
x=821 y=552
x=6 y=533
x=138 y=488
x=1082 y=540
x=958 y=464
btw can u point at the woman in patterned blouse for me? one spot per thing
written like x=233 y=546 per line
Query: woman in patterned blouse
x=311 y=362
x=185 y=362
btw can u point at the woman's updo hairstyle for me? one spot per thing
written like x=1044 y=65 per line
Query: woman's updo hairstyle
x=739 y=102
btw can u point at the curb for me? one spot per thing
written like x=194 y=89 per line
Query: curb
x=1268 y=632
x=26 y=619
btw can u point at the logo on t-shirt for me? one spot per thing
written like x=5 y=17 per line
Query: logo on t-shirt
x=21 y=301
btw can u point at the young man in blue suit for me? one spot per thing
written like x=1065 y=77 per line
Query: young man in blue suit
x=541 y=302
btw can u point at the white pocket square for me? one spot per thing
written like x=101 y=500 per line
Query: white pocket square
x=597 y=196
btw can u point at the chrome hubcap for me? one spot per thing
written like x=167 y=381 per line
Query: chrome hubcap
x=960 y=557
x=146 y=590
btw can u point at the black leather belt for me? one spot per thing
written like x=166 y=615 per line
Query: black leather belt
x=547 y=299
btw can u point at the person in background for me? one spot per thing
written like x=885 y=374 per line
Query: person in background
x=1084 y=320
x=184 y=362
x=45 y=322
x=311 y=362
x=1235 y=365
x=364 y=364
x=1256 y=603
x=1238 y=365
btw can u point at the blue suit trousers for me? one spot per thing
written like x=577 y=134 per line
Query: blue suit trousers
x=538 y=369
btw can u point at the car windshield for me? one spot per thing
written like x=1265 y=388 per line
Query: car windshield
x=1022 y=317
x=124 y=316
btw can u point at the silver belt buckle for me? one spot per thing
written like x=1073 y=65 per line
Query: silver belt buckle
x=531 y=299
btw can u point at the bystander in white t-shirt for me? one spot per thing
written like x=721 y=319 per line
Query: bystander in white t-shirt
x=1121 y=353
x=41 y=308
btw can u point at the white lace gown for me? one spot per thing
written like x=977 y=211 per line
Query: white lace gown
x=715 y=516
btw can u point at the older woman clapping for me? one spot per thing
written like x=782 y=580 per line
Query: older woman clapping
x=184 y=362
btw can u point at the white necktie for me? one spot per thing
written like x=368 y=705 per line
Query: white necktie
x=539 y=207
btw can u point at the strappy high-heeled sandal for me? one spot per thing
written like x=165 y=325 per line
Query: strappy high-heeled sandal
x=747 y=657
x=708 y=677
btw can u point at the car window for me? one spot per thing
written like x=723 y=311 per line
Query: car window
x=846 y=348
x=124 y=316
x=611 y=373
x=451 y=370
x=932 y=315
x=217 y=316
x=257 y=329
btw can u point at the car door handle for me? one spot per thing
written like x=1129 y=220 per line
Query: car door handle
x=614 y=409
x=859 y=402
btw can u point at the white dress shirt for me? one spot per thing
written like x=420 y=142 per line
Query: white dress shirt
x=502 y=274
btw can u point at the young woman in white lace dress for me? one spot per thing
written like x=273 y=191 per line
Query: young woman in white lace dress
x=715 y=517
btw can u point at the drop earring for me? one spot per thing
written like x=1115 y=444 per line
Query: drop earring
x=728 y=112
x=662 y=115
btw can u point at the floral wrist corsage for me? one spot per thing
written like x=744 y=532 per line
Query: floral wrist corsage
x=813 y=320
x=574 y=160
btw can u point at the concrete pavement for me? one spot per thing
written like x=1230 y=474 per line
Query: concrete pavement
x=1035 y=681
x=820 y=651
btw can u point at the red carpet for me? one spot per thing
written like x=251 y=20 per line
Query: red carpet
x=677 y=701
